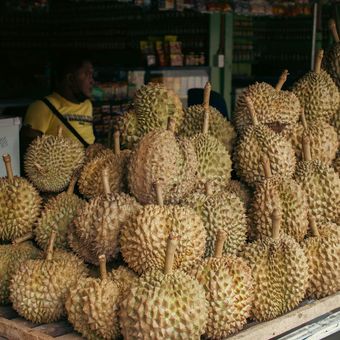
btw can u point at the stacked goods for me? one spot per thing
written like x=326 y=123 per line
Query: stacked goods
x=166 y=304
x=19 y=204
x=228 y=287
x=57 y=215
x=331 y=62
x=220 y=128
x=90 y=183
x=51 y=161
x=152 y=107
x=257 y=141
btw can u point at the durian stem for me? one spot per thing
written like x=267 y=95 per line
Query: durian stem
x=106 y=184
x=307 y=156
x=8 y=166
x=171 y=124
x=266 y=166
x=220 y=239
x=72 y=184
x=251 y=110
x=60 y=131
x=318 y=61
x=206 y=121
x=102 y=266
x=206 y=95
x=303 y=119
x=170 y=254
x=39 y=167
x=312 y=225
x=208 y=188
x=50 y=246
x=332 y=27
x=159 y=193
x=276 y=222
x=282 y=80
x=23 y=238
x=116 y=142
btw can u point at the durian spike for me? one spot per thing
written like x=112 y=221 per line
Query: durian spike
x=171 y=124
x=251 y=110
x=106 y=184
x=208 y=188
x=49 y=251
x=307 y=156
x=170 y=254
x=303 y=119
x=102 y=266
x=159 y=193
x=206 y=96
x=282 y=80
x=72 y=184
x=266 y=166
x=312 y=225
x=116 y=142
x=276 y=223
x=206 y=121
x=23 y=238
x=220 y=239
x=318 y=61
x=60 y=131
x=332 y=27
x=8 y=166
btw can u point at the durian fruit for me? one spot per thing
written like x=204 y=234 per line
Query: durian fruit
x=90 y=180
x=229 y=291
x=221 y=211
x=166 y=304
x=321 y=184
x=336 y=123
x=259 y=140
x=279 y=110
x=93 y=150
x=11 y=257
x=50 y=161
x=280 y=273
x=323 y=253
x=331 y=61
x=219 y=127
x=145 y=234
x=323 y=139
x=38 y=289
x=318 y=94
x=153 y=105
x=213 y=158
x=160 y=156
x=284 y=194
x=336 y=163
x=57 y=215
x=125 y=277
x=19 y=204
x=98 y=223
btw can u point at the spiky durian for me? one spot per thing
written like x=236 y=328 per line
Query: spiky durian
x=11 y=257
x=221 y=211
x=229 y=291
x=280 y=273
x=284 y=194
x=322 y=186
x=322 y=250
x=50 y=161
x=93 y=150
x=331 y=61
x=164 y=305
x=336 y=163
x=57 y=215
x=38 y=289
x=128 y=126
x=19 y=204
x=259 y=140
x=125 y=277
x=318 y=94
x=90 y=180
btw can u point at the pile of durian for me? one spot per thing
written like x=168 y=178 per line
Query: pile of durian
x=190 y=226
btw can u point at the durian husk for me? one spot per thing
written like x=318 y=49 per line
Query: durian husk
x=19 y=207
x=125 y=278
x=219 y=127
x=50 y=162
x=93 y=150
x=336 y=163
x=11 y=258
x=144 y=237
x=128 y=126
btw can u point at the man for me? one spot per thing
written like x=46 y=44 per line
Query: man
x=69 y=102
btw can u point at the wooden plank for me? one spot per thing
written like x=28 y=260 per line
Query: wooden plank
x=299 y=316
x=7 y=312
x=70 y=336
x=25 y=323
x=55 y=329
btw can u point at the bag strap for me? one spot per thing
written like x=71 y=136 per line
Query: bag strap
x=64 y=121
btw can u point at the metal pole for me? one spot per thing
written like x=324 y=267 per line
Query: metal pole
x=315 y=18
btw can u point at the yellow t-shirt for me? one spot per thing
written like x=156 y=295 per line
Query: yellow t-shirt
x=79 y=116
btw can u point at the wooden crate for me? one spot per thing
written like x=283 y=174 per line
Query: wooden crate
x=13 y=327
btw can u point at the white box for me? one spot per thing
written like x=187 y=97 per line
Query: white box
x=10 y=143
